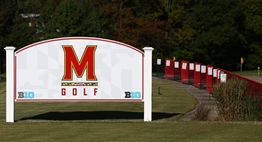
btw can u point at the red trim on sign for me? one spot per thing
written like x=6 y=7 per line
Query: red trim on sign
x=14 y=77
x=78 y=38
x=78 y=100
x=143 y=77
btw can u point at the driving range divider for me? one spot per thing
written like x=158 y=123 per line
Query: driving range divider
x=200 y=75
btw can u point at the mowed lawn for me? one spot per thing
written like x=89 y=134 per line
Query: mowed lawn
x=120 y=122
x=249 y=73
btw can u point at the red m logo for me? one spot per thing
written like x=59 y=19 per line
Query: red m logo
x=87 y=63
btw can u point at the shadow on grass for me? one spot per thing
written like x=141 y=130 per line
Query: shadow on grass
x=97 y=115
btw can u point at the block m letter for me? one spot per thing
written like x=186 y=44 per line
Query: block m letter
x=87 y=63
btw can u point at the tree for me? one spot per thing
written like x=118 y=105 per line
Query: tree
x=181 y=34
x=253 y=33
x=7 y=12
x=139 y=23
x=17 y=30
x=208 y=31
x=25 y=27
x=73 y=18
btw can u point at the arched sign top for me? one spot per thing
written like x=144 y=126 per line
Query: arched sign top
x=79 y=68
x=79 y=38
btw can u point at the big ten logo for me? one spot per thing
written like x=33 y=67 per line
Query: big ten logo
x=71 y=62
x=132 y=94
x=28 y=95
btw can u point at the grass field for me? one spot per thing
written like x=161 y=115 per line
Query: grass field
x=249 y=73
x=120 y=122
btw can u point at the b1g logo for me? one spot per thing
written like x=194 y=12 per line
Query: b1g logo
x=26 y=95
x=132 y=94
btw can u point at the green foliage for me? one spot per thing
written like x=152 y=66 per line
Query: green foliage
x=202 y=112
x=21 y=33
x=234 y=104
x=229 y=97
x=207 y=31
x=7 y=12
x=252 y=108
x=216 y=32
x=139 y=23
x=253 y=32
x=74 y=18
x=15 y=30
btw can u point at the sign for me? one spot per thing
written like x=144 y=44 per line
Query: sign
x=79 y=69
x=241 y=60
x=209 y=70
x=203 y=69
x=214 y=72
x=223 y=77
x=158 y=61
x=184 y=66
x=167 y=63
x=197 y=68
x=191 y=66
x=176 y=64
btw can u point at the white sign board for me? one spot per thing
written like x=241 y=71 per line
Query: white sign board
x=197 y=68
x=79 y=69
x=203 y=69
x=184 y=66
x=209 y=70
x=158 y=61
x=191 y=66
x=176 y=64
x=167 y=63
x=214 y=72
x=223 y=77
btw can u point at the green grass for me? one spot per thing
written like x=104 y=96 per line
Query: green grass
x=248 y=73
x=2 y=85
x=172 y=104
x=131 y=131
x=120 y=122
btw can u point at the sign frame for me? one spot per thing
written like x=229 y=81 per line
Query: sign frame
x=146 y=77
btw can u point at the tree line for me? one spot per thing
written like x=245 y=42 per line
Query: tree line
x=216 y=32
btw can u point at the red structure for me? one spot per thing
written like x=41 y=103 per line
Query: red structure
x=203 y=71
x=202 y=76
x=197 y=75
x=160 y=68
x=253 y=88
x=209 y=79
x=177 y=70
x=191 y=72
x=169 y=68
x=184 y=72
x=215 y=76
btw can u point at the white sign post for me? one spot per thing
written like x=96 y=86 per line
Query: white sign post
x=10 y=84
x=148 y=83
x=79 y=69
